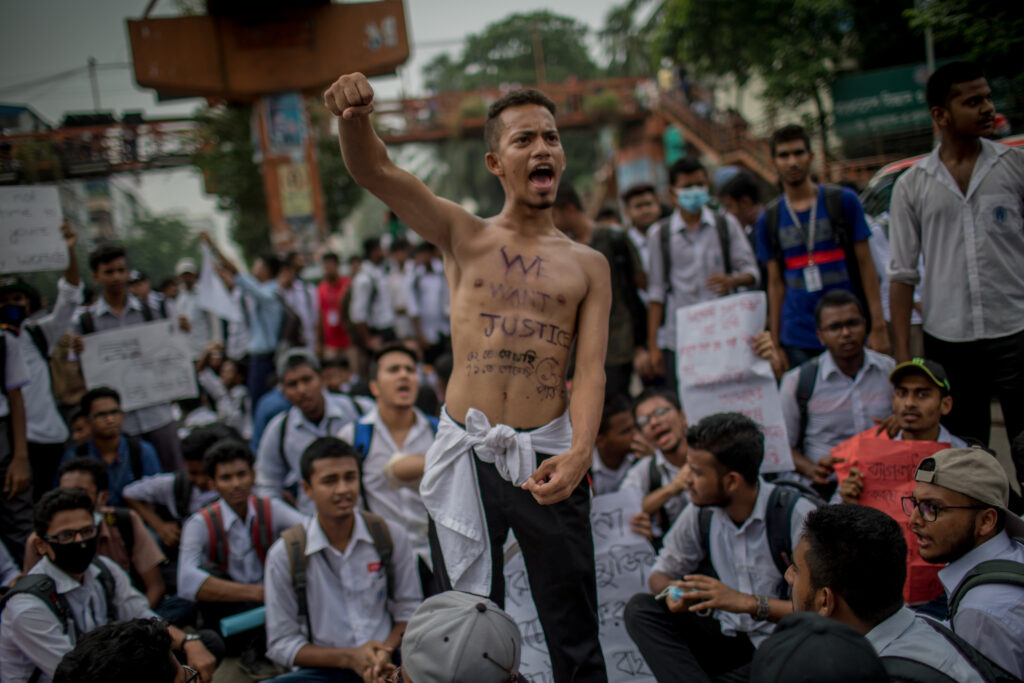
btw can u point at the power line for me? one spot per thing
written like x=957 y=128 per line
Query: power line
x=61 y=76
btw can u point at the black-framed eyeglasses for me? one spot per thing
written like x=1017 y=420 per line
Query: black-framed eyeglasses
x=851 y=324
x=645 y=420
x=105 y=414
x=69 y=536
x=930 y=511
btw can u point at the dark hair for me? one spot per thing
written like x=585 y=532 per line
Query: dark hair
x=941 y=86
x=330 y=256
x=296 y=357
x=121 y=652
x=789 y=134
x=615 y=404
x=272 y=262
x=608 y=211
x=241 y=366
x=400 y=244
x=515 y=98
x=370 y=245
x=95 y=394
x=225 y=451
x=105 y=253
x=648 y=394
x=684 y=166
x=35 y=299
x=424 y=247
x=391 y=347
x=834 y=298
x=326 y=447
x=741 y=185
x=567 y=196
x=735 y=440
x=167 y=282
x=57 y=500
x=637 y=190
x=96 y=469
x=339 y=362
x=201 y=439
x=860 y=553
x=289 y=258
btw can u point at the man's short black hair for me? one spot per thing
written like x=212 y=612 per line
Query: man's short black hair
x=685 y=166
x=370 y=245
x=390 y=347
x=57 y=500
x=567 y=196
x=400 y=244
x=91 y=466
x=423 y=248
x=338 y=362
x=637 y=190
x=202 y=439
x=647 y=394
x=741 y=185
x=941 y=86
x=330 y=256
x=95 y=394
x=121 y=652
x=860 y=553
x=609 y=211
x=272 y=262
x=105 y=253
x=735 y=440
x=514 y=98
x=835 y=298
x=225 y=451
x=615 y=404
x=326 y=447
x=788 y=134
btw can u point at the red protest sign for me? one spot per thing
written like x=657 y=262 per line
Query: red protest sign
x=887 y=469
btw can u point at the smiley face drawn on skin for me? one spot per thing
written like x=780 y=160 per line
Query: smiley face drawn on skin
x=548 y=377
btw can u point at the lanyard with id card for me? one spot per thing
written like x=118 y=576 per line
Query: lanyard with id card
x=812 y=274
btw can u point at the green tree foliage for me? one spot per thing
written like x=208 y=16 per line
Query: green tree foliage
x=626 y=42
x=155 y=245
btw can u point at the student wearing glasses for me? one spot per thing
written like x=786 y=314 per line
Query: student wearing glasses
x=844 y=391
x=71 y=592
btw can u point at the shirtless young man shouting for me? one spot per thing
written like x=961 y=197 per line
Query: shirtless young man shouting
x=505 y=455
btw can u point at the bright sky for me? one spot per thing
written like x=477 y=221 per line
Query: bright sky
x=45 y=37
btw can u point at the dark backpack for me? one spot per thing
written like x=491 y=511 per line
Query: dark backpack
x=622 y=269
x=992 y=571
x=778 y=522
x=295 y=542
x=44 y=588
x=290 y=334
x=807 y=377
x=88 y=325
x=134 y=455
x=182 y=494
x=912 y=671
x=654 y=475
x=665 y=240
x=284 y=430
x=262 y=532
x=842 y=234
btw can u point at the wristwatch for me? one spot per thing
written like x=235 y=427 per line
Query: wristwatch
x=764 y=608
x=189 y=637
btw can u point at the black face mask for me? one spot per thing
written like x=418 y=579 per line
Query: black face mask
x=11 y=316
x=74 y=557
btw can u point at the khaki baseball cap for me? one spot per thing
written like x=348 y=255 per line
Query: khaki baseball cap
x=975 y=473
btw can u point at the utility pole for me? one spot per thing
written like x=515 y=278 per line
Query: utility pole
x=538 y=57
x=95 y=85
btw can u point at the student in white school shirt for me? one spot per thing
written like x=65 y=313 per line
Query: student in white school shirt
x=351 y=620
x=613 y=449
x=394 y=455
x=314 y=412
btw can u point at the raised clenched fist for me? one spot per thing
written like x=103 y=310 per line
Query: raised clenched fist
x=350 y=96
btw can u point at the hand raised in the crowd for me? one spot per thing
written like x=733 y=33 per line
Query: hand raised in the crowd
x=889 y=425
x=704 y=593
x=720 y=283
x=681 y=482
x=642 y=363
x=824 y=468
x=184 y=324
x=77 y=344
x=350 y=96
x=557 y=477
x=640 y=523
x=878 y=340
x=205 y=238
x=68 y=233
x=657 y=360
x=200 y=659
x=765 y=348
x=852 y=487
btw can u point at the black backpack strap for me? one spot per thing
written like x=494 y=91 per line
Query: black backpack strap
x=39 y=339
x=106 y=579
x=705 y=566
x=989 y=670
x=135 y=457
x=295 y=543
x=724 y=241
x=381 y=536
x=121 y=519
x=778 y=517
x=989 y=572
x=280 y=438
x=654 y=474
x=665 y=240
x=182 y=493
x=772 y=215
x=43 y=587
x=86 y=322
x=806 y=379
x=907 y=670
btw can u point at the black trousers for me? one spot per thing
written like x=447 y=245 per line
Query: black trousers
x=43 y=459
x=681 y=647
x=616 y=379
x=558 y=548
x=978 y=371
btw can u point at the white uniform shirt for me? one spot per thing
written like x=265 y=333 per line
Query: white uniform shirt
x=604 y=478
x=346 y=592
x=158 y=489
x=15 y=371
x=639 y=478
x=203 y=324
x=396 y=279
x=906 y=635
x=427 y=294
x=276 y=471
x=740 y=555
x=304 y=300
x=234 y=407
x=840 y=406
x=244 y=565
x=370 y=302
x=403 y=505
x=30 y=635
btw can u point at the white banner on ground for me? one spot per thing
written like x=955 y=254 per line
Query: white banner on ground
x=214 y=295
x=624 y=560
x=30 y=238
x=718 y=371
x=147 y=364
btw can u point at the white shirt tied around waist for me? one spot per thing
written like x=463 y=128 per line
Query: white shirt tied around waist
x=456 y=509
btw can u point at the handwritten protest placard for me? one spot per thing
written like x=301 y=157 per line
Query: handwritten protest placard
x=30 y=238
x=147 y=364
x=887 y=469
x=718 y=371
x=624 y=561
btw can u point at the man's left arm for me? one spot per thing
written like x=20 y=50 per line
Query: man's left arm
x=557 y=477
x=878 y=337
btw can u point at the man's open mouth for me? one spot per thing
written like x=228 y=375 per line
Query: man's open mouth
x=542 y=177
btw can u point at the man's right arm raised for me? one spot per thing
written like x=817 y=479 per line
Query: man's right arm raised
x=350 y=99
